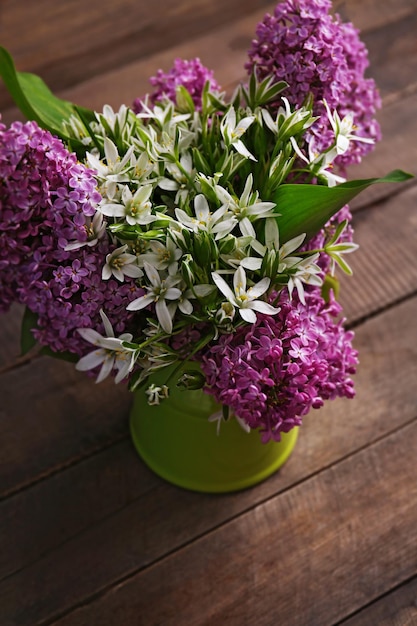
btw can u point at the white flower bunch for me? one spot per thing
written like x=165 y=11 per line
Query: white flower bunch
x=191 y=201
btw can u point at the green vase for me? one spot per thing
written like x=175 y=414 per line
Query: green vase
x=176 y=440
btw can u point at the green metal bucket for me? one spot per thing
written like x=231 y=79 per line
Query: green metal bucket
x=176 y=440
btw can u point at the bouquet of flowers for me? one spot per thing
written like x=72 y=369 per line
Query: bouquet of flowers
x=195 y=227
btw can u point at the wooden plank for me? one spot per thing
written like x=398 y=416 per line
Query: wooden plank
x=395 y=151
x=65 y=42
x=122 y=82
x=70 y=569
x=387 y=238
x=10 y=336
x=372 y=14
x=68 y=503
x=397 y=608
x=386 y=53
x=311 y=555
x=58 y=417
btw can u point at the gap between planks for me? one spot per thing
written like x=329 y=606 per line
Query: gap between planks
x=117 y=584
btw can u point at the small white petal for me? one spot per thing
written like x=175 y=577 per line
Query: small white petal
x=90 y=335
x=185 y=307
x=246 y=228
x=173 y=293
x=251 y=263
x=106 y=272
x=140 y=303
x=133 y=271
x=152 y=274
x=239 y=280
x=222 y=285
x=164 y=316
x=118 y=274
x=167 y=184
x=91 y=360
x=241 y=148
x=259 y=289
x=107 y=325
x=248 y=315
x=106 y=368
x=263 y=307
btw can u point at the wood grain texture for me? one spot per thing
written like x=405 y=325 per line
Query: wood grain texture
x=118 y=83
x=307 y=556
x=56 y=46
x=385 y=232
x=398 y=608
x=69 y=564
x=88 y=535
x=58 y=418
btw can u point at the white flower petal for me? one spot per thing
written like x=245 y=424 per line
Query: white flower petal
x=107 y=325
x=91 y=360
x=112 y=210
x=243 y=125
x=90 y=335
x=152 y=274
x=263 y=307
x=291 y=245
x=106 y=368
x=251 y=263
x=164 y=316
x=241 y=148
x=259 y=289
x=140 y=303
x=248 y=315
x=246 y=228
x=173 y=293
x=167 y=184
x=222 y=285
x=239 y=281
x=133 y=271
x=185 y=307
x=201 y=208
x=106 y=272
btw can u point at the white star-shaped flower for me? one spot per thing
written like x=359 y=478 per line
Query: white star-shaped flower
x=245 y=300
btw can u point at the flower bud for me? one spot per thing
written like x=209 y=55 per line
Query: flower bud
x=227 y=244
x=187 y=270
x=203 y=249
x=191 y=380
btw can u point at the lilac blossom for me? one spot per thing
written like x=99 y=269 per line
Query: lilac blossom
x=191 y=74
x=272 y=372
x=47 y=202
x=316 y=53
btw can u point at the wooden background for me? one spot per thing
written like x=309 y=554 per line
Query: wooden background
x=88 y=535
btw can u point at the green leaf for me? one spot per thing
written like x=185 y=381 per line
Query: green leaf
x=307 y=208
x=27 y=340
x=35 y=99
x=330 y=283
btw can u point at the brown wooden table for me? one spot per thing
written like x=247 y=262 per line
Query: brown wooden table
x=89 y=536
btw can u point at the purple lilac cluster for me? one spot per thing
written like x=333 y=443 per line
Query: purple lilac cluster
x=191 y=74
x=273 y=372
x=47 y=200
x=318 y=54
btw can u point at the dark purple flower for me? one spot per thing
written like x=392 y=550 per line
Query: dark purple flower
x=46 y=196
x=315 y=53
x=273 y=372
x=192 y=75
